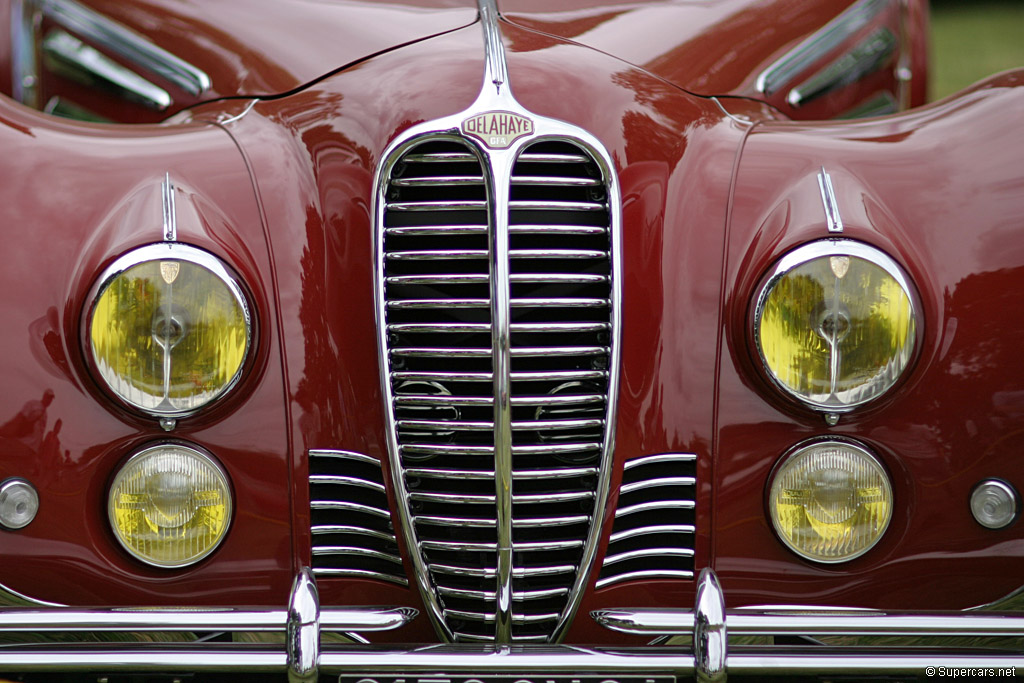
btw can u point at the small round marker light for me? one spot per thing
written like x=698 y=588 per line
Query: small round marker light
x=19 y=503
x=994 y=504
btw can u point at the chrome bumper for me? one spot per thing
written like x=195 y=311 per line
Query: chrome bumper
x=304 y=657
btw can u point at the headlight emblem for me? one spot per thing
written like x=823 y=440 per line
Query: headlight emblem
x=836 y=324
x=168 y=329
x=830 y=501
x=170 y=505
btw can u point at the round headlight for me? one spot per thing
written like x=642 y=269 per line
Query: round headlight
x=170 y=505
x=168 y=329
x=836 y=324
x=830 y=501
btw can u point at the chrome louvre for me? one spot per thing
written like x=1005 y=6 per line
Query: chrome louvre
x=350 y=518
x=437 y=312
x=653 y=533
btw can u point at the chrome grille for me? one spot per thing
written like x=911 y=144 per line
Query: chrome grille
x=350 y=518
x=437 y=309
x=653 y=533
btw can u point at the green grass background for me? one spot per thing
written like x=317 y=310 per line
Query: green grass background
x=972 y=39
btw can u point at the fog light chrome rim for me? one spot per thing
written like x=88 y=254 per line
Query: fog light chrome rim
x=830 y=501
x=170 y=505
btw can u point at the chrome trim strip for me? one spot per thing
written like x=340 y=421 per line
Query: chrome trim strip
x=494 y=49
x=383 y=513
x=343 y=455
x=326 y=529
x=710 y=634
x=644 y=574
x=302 y=632
x=647 y=552
x=328 y=550
x=126 y=43
x=361 y=574
x=70 y=57
x=478 y=660
x=653 y=529
x=660 y=481
x=828 y=200
x=12 y=598
x=24 y=63
x=881 y=104
x=356 y=619
x=659 y=458
x=815 y=621
x=346 y=481
x=818 y=45
x=863 y=59
x=1013 y=602
x=170 y=213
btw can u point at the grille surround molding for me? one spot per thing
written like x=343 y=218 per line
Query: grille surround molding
x=496 y=166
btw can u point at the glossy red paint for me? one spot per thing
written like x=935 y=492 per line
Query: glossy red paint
x=253 y=48
x=57 y=428
x=956 y=419
x=282 y=191
x=719 y=48
x=268 y=47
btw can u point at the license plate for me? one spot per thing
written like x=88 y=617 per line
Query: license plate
x=500 y=678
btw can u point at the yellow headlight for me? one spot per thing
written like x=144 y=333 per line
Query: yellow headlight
x=170 y=505
x=830 y=501
x=169 y=329
x=836 y=324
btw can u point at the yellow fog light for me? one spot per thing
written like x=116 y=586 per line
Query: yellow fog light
x=170 y=505
x=836 y=324
x=830 y=501
x=168 y=329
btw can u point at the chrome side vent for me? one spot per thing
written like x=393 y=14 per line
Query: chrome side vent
x=653 y=534
x=350 y=518
x=437 y=264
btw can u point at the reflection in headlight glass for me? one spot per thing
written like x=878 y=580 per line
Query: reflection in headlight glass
x=169 y=335
x=836 y=331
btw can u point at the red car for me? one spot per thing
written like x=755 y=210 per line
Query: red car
x=476 y=340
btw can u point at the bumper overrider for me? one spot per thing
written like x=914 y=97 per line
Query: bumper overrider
x=707 y=657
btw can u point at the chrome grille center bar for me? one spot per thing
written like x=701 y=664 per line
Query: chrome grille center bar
x=501 y=339
x=497 y=233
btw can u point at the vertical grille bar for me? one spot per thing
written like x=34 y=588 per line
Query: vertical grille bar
x=501 y=336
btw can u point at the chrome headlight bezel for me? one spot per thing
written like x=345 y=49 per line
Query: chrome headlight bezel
x=826 y=248
x=166 y=251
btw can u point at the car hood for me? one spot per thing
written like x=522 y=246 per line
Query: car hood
x=709 y=47
x=267 y=47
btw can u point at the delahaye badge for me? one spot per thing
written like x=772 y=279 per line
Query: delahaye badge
x=497 y=129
